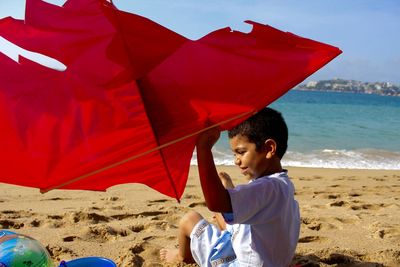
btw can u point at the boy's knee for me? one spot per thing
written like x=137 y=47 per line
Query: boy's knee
x=191 y=217
x=189 y=221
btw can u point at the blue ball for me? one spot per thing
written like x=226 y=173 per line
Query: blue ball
x=18 y=250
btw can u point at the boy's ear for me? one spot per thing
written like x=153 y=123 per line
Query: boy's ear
x=270 y=148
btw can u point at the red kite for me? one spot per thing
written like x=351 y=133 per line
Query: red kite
x=133 y=96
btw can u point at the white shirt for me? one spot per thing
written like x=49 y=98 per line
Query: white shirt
x=266 y=221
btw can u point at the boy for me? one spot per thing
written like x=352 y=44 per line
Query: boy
x=260 y=220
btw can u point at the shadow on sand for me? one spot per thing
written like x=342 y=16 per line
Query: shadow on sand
x=334 y=259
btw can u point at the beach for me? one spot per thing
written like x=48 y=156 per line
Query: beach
x=349 y=218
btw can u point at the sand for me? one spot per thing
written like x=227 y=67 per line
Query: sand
x=349 y=218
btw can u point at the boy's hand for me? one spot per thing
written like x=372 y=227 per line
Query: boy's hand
x=208 y=138
x=220 y=221
x=226 y=180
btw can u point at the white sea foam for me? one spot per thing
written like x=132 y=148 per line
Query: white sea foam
x=345 y=159
x=328 y=158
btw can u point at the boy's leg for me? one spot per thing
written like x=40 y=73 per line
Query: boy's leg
x=186 y=225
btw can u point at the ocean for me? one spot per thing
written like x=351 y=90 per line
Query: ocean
x=335 y=130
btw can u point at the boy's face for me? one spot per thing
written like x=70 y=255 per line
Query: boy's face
x=252 y=163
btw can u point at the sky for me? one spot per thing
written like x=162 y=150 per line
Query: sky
x=367 y=31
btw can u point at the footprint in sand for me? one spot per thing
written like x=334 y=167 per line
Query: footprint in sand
x=309 y=239
x=158 y=225
x=14 y=214
x=339 y=178
x=123 y=216
x=300 y=192
x=36 y=223
x=306 y=178
x=335 y=259
x=96 y=208
x=348 y=220
x=315 y=226
x=103 y=233
x=110 y=199
x=138 y=215
x=137 y=228
x=329 y=195
x=391 y=233
x=70 y=238
x=147 y=238
x=354 y=194
x=339 y=203
x=59 y=253
x=9 y=224
x=152 y=213
x=385 y=231
x=171 y=219
x=131 y=256
x=55 y=217
x=317 y=206
x=54 y=199
x=119 y=207
x=368 y=206
x=91 y=217
x=189 y=196
x=54 y=221
x=156 y=202
x=333 y=196
x=318 y=224
x=317 y=193
x=197 y=204
x=148 y=227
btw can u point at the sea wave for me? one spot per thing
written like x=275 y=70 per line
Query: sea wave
x=328 y=158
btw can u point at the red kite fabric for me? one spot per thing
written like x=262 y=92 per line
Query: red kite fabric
x=133 y=96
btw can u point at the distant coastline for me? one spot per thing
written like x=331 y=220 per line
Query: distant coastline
x=351 y=86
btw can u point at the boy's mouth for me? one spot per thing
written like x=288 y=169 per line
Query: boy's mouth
x=244 y=170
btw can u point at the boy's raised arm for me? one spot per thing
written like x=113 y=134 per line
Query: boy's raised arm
x=216 y=196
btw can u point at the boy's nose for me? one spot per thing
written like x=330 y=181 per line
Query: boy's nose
x=236 y=161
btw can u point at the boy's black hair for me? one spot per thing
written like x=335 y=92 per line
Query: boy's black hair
x=265 y=124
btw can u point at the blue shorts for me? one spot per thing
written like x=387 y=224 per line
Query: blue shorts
x=211 y=247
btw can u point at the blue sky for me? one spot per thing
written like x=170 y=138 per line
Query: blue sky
x=366 y=30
